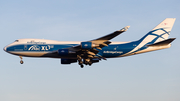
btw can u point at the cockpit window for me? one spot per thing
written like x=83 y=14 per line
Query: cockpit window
x=16 y=41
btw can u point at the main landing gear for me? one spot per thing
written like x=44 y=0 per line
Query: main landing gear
x=21 y=62
x=86 y=61
x=80 y=61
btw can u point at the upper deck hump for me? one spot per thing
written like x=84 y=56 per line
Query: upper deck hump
x=45 y=41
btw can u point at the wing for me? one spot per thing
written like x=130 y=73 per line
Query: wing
x=86 y=52
x=112 y=35
x=102 y=41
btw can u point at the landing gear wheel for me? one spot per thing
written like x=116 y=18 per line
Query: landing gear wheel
x=90 y=64
x=21 y=62
x=81 y=62
x=82 y=66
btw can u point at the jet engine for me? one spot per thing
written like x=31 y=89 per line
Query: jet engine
x=63 y=52
x=95 y=60
x=68 y=61
x=87 y=45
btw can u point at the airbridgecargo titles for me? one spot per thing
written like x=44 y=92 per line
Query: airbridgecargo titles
x=113 y=52
x=89 y=52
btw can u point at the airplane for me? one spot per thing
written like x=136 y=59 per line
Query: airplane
x=89 y=52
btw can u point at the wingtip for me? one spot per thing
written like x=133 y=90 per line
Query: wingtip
x=125 y=28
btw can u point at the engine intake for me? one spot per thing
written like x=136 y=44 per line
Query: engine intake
x=87 y=45
x=63 y=52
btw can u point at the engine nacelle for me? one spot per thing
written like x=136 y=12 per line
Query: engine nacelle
x=87 y=45
x=68 y=61
x=95 y=60
x=63 y=52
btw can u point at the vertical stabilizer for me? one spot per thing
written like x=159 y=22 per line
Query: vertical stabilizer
x=160 y=32
x=158 y=37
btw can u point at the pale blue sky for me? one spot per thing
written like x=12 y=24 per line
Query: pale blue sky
x=152 y=76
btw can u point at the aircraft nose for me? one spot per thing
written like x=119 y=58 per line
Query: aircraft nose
x=5 y=48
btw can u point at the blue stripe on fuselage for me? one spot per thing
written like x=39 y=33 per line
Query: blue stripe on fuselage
x=38 y=48
x=114 y=50
x=118 y=49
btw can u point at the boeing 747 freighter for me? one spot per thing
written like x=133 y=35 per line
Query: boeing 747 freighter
x=89 y=52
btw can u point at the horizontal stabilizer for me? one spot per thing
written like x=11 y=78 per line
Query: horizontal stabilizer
x=162 y=43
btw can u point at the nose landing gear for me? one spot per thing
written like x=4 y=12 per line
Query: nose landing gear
x=21 y=62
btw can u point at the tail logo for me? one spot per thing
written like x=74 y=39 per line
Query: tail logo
x=164 y=24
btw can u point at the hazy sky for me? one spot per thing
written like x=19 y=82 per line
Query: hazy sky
x=152 y=76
